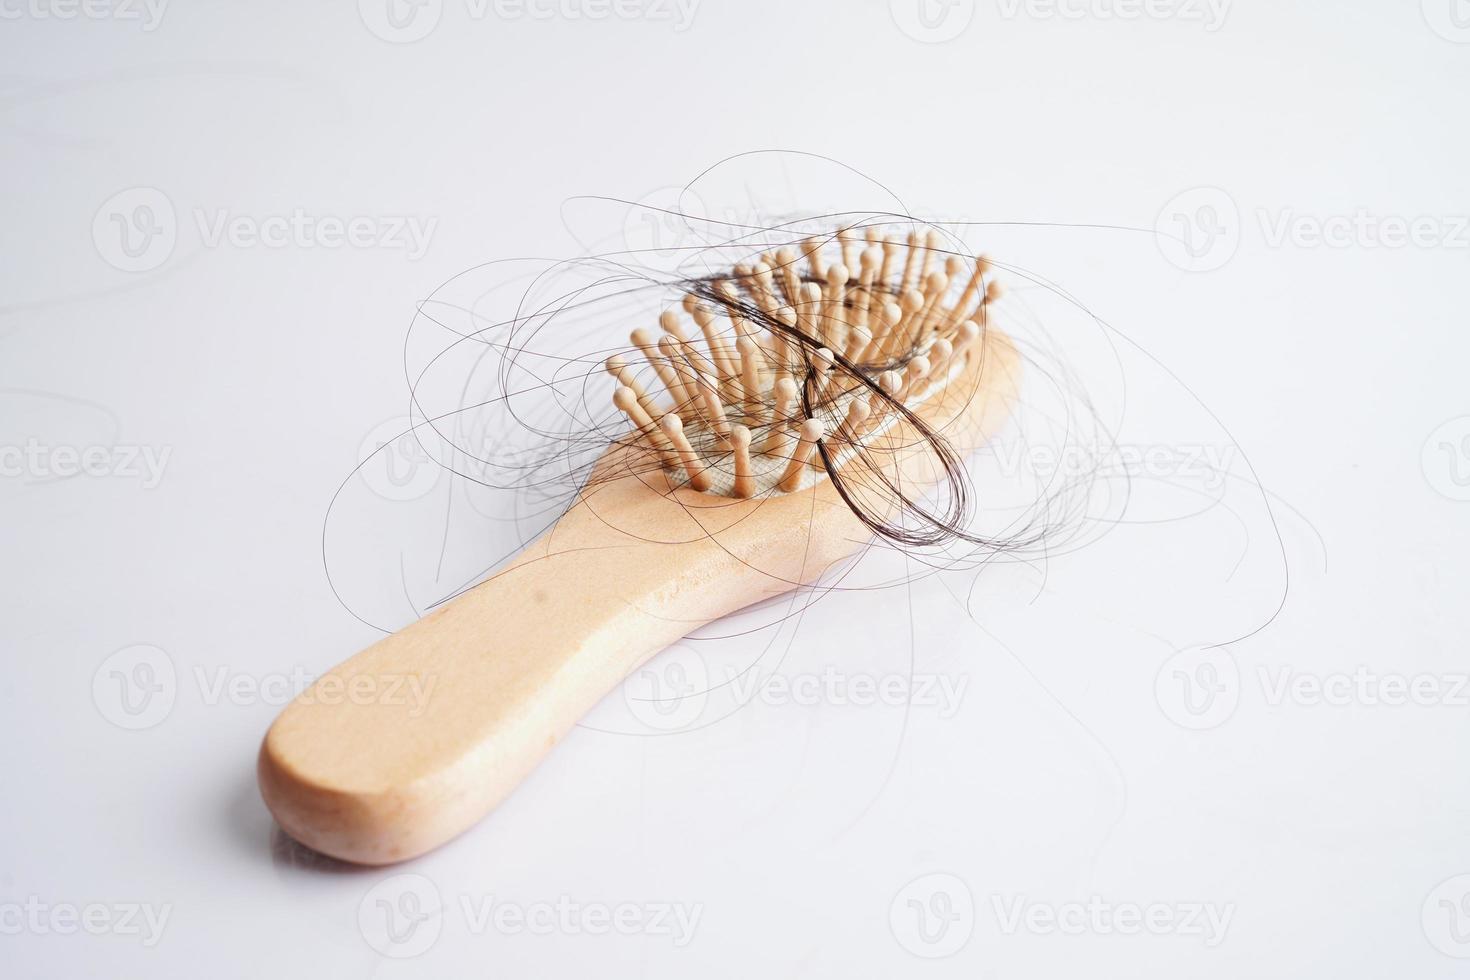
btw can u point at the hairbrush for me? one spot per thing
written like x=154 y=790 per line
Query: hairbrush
x=803 y=400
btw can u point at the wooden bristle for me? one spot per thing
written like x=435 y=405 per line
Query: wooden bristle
x=788 y=274
x=911 y=262
x=867 y=275
x=766 y=297
x=834 y=313
x=939 y=356
x=848 y=241
x=623 y=374
x=714 y=410
x=890 y=254
x=627 y=402
x=810 y=311
x=680 y=372
x=917 y=370
x=822 y=362
x=852 y=422
x=751 y=363
x=719 y=351
x=812 y=247
x=784 y=406
x=889 y=382
x=889 y=314
x=806 y=444
x=930 y=249
x=694 y=466
x=786 y=392
x=646 y=343
x=857 y=342
x=670 y=322
x=969 y=332
x=964 y=305
x=781 y=346
x=901 y=337
x=935 y=286
x=740 y=446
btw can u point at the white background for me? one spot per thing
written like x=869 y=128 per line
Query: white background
x=809 y=839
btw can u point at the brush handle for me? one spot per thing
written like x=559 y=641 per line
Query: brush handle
x=360 y=770
x=451 y=713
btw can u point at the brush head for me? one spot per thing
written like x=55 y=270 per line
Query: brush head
x=800 y=359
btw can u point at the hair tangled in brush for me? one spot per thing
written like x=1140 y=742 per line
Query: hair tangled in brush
x=808 y=361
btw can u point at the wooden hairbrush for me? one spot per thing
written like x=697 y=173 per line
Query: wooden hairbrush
x=811 y=404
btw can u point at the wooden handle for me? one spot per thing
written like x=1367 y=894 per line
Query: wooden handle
x=505 y=670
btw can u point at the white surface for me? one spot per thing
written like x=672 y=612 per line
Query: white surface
x=798 y=833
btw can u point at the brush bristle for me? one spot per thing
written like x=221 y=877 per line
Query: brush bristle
x=813 y=345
